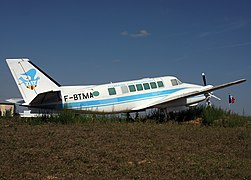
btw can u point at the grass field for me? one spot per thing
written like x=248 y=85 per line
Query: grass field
x=123 y=150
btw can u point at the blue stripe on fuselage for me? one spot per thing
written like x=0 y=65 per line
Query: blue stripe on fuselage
x=120 y=100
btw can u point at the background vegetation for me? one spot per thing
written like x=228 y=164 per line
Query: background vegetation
x=202 y=115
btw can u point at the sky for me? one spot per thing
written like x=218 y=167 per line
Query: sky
x=94 y=41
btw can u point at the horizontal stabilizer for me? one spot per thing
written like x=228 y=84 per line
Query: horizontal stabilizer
x=47 y=100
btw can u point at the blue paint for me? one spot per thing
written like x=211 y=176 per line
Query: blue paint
x=120 y=100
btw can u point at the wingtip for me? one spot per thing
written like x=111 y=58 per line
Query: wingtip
x=239 y=81
x=242 y=80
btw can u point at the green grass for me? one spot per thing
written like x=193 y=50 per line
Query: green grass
x=209 y=116
x=205 y=115
x=214 y=116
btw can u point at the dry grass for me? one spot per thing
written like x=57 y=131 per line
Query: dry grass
x=121 y=150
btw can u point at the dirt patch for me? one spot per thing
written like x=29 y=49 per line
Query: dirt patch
x=109 y=150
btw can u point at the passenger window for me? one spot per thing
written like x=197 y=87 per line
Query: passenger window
x=139 y=87
x=160 y=84
x=111 y=91
x=146 y=86
x=124 y=89
x=132 y=88
x=153 y=85
x=174 y=82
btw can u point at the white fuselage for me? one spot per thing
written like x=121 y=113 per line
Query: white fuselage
x=126 y=96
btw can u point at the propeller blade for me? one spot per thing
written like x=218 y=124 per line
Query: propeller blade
x=215 y=97
x=209 y=94
x=204 y=79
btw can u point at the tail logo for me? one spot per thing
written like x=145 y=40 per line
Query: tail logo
x=28 y=78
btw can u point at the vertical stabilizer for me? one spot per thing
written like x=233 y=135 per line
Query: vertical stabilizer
x=30 y=79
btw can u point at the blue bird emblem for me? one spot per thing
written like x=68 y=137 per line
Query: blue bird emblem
x=28 y=78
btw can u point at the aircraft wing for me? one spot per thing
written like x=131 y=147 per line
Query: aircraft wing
x=187 y=94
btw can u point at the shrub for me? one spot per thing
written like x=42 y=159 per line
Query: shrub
x=214 y=116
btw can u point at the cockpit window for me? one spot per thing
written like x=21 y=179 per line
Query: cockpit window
x=175 y=82
x=179 y=82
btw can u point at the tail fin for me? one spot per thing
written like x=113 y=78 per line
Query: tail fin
x=30 y=80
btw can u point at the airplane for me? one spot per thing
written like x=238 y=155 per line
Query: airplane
x=40 y=91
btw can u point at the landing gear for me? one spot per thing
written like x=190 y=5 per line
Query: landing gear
x=136 y=115
x=130 y=118
x=163 y=114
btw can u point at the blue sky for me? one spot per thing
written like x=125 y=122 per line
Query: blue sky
x=93 y=42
